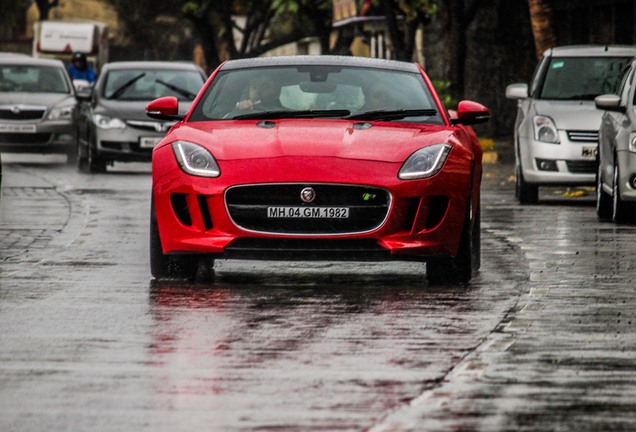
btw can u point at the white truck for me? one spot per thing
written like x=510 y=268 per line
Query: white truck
x=60 y=39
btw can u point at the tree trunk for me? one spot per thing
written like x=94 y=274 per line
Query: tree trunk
x=541 y=21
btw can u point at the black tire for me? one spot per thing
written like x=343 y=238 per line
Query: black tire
x=82 y=159
x=620 y=210
x=526 y=193
x=459 y=269
x=164 y=266
x=95 y=163
x=603 y=199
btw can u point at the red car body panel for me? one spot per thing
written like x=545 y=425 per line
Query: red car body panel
x=316 y=151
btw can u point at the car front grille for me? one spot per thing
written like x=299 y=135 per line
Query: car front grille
x=21 y=112
x=581 y=167
x=583 y=136
x=147 y=125
x=248 y=208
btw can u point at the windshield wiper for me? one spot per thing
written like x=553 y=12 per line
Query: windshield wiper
x=279 y=114
x=125 y=86
x=392 y=114
x=181 y=91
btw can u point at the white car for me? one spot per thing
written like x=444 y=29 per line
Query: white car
x=556 y=129
x=616 y=179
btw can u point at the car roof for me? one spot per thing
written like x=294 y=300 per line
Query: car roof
x=592 y=50
x=324 y=60
x=25 y=60
x=120 y=65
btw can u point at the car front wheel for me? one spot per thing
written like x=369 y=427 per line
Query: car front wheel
x=620 y=211
x=164 y=266
x=526 y=193
x=603 y=199
x=459 y=269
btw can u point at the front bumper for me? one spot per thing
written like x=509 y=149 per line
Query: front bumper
x=567 y=163
x=45 y=137
x=424 y=218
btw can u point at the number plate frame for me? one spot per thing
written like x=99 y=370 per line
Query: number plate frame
x=290 y=212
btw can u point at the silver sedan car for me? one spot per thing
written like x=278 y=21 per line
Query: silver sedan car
x=38 y=106
x=556 y=130
x=616 y=178
x=113 y=125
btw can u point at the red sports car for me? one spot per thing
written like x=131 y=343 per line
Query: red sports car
x=317 y=158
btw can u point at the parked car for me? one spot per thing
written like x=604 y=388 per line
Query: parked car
x=616 y=178
x=293 y=158
x=38 y=106
x=113 y=125
x=556 y=129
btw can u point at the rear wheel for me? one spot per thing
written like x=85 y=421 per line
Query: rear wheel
x=459 y=269
x=603 y=199
x=164 y=266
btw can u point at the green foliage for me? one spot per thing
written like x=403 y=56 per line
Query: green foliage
x=443 y=90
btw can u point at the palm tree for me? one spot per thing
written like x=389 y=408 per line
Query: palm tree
x=541 y=20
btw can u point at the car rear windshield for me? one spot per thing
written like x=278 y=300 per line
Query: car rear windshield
x=33 y=79
x=146 y=85
x=300 y=90
x=582 y=78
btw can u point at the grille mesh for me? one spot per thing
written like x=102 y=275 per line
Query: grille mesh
x=368 y=208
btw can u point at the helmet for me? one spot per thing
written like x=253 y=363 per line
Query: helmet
x=79 y=56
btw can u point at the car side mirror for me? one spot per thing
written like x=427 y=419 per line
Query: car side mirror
x=83 y=90
x=609 y=102
x=470 y=113
x=164 y=108
x=517 y=91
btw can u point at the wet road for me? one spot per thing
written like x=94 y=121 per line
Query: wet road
x=543 y=339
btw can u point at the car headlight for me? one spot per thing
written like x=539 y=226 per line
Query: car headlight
x=107 y=122
x=426 y=162
x=632 y=143
x=61 y=113
x=545 y=130
x=195 y=160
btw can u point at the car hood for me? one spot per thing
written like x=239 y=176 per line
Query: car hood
x=571 y=115
x=39 y=99
x=131 y=110
x=231 y=140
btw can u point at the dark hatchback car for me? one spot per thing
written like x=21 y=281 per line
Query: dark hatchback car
x=113 y=125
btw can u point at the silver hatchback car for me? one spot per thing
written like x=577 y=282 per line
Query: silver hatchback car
x=113 y=125
x=556 y=129
x=616 y=179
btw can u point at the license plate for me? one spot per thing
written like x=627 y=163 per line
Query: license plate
x=589 y=152
x=308 y=212
x=149 y=142
x=16 y=128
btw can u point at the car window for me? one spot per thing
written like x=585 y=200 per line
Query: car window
x=144 y=84
x=299 y=88
x=33 y=79
x=582 y=78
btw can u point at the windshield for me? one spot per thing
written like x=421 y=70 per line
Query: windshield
x=142 y=85
x=317 y=91
x=582 y=78
x=33 y=79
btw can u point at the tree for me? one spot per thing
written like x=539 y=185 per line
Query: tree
x=45 y=6
x=227 y=29
x=541 y=22
x=403 y=19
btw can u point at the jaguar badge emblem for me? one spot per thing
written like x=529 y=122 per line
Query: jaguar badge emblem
x=308 y=194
